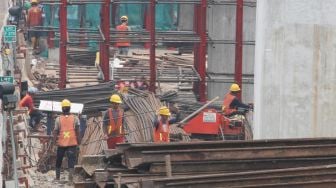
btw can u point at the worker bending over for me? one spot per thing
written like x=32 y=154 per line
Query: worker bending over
x=124 y=44
x=231 y=102
x=113 y=121
x=34 y=114
x=162 y=123
x=34 y=19
x=66 y=132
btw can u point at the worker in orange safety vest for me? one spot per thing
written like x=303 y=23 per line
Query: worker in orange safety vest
x=231 y=103
x=113 y=121
x=124 y=44
x=66 y=133
x=161 y=125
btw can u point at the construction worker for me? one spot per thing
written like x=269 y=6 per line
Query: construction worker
x=34 y=114
x=231 y=103
x=66 y=133
x=123 y=45
x=161 y=125
x=100 y=75
x=34 y=18
x=113 y=121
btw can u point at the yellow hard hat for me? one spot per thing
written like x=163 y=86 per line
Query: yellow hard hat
x=33 y=1
x=66 y=103
x=115 y=98
x=234 y=87
x=124 y=18
x=164 y=111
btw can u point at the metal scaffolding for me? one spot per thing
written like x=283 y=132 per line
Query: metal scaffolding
x=105 y=36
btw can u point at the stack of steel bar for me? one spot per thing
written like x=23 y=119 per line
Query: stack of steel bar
x=186 y=102
x=77 y=74
x=95 y=97
x=259 y=163
x=82 y=57
x=139 y=119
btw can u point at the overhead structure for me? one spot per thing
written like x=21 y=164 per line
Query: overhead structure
x=106 y=36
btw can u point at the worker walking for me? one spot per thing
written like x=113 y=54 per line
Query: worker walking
x=162 y=123
x=34 y=114
x=66 y=132
x=113 y=121
x=124 y=44
x=34 y=19
x=231 y=103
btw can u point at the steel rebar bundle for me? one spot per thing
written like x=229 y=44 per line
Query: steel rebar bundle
x=95 y=98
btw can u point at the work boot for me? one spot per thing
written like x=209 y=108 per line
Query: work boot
x=58 y=174
x=70 y=177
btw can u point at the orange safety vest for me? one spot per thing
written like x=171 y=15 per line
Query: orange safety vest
x=228 y=98
x=67 y=135
x=123 y=43
x=115 y=126
x=161 y=133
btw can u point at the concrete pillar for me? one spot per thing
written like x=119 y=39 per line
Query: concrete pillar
x=295 y=69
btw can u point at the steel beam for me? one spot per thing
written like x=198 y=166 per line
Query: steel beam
x=63 y=43
x=239 y=44
x=277 y=176
x=152 y=61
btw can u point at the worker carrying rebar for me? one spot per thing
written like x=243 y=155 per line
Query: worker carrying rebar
x=124 y=44
x=113 y=122
x=34 y=19
x=34 y=114
x=231 y=103
x=66 y=133
x=162 y=123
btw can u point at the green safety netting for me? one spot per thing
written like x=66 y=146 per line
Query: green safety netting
x=88 y=16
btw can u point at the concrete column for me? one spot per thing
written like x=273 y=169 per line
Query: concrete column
x=295 y=69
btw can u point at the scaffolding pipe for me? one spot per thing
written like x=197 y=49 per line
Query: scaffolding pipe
x=63 y=43
x=239 y=44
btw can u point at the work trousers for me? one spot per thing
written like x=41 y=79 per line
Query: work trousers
x=35 y=118
x=71 y=153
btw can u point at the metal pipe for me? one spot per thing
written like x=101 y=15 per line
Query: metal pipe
x=239 y=44
x=152 y=46
x=63 y=43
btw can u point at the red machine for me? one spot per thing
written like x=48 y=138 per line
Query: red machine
x=210 y=125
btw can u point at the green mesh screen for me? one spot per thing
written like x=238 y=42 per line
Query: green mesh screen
x=88 y=16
